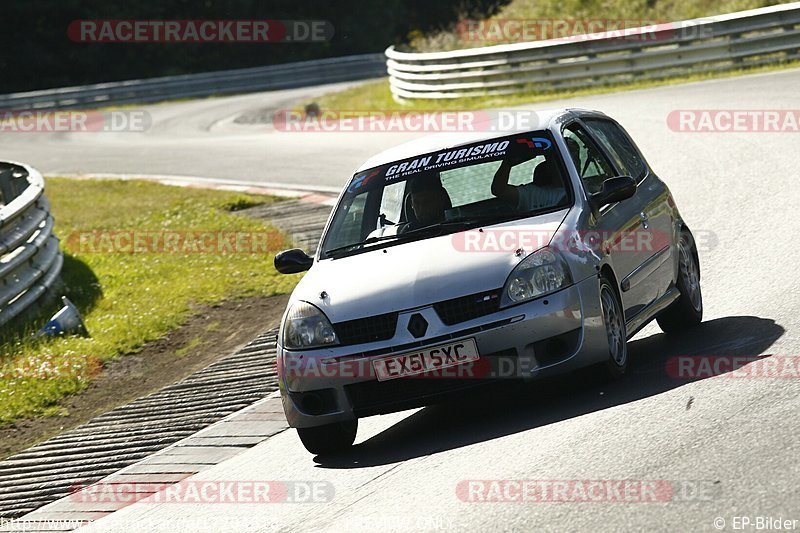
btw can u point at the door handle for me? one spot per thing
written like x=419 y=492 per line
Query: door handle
x=644 y=218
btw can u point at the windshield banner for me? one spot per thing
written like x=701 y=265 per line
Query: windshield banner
x=491 y=150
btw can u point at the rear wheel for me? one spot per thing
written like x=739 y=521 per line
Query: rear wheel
x=616 y=333
x=329 y=438
x=687 y=311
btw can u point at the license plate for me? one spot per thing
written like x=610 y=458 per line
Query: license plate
x=426 y=360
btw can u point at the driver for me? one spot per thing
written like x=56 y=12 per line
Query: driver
x=427 y=201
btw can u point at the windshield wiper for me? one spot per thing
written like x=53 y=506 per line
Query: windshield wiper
x=484 y=219
x=400 y=237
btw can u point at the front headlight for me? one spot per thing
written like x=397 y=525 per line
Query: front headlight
x=307 y=327
x=542 y=272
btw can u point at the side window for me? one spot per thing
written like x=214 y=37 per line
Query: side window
x=523 y=173
x=472 y=184
x=467 y=185
x=593 y=167
x=619 y=146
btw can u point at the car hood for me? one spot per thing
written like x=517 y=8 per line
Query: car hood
x=422 y=272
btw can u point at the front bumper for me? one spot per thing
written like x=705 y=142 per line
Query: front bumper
x=553 y=334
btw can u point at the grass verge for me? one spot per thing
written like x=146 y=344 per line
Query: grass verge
x=128 y=299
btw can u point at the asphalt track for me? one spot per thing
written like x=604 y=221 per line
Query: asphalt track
x=735 y=439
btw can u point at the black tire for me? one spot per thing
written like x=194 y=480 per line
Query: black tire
x=616 y=332
x=687 y=311
x=330 y=438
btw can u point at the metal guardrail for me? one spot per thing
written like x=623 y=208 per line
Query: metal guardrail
x=283 y=76
x=30 y=259
x=759 y=36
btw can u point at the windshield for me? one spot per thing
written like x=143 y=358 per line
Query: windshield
x=448 y=190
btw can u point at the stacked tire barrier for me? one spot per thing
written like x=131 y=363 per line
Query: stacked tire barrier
x=756 y=37
x=30 y=258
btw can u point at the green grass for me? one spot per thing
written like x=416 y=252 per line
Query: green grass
x=191 y=345
x=376 y=96
x=129 y=299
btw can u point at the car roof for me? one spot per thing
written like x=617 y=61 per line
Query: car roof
x=490 y=129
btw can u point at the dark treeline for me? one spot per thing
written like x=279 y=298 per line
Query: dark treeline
x=36 y=52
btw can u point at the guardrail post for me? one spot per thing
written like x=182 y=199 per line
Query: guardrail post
x=6 y=191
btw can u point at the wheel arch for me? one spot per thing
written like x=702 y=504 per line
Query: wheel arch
x=683 y=227
x=608 y=272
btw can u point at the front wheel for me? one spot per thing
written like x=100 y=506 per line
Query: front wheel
x=614 y=321
x=687 y=311
x=329 y=438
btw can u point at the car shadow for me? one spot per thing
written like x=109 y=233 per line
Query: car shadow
x=497 y=411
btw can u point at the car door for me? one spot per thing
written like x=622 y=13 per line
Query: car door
x=655 y=274
x=615 y=223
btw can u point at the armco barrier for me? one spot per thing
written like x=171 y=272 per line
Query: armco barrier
x=759 y=36
x=30 y=259
x=285 y=76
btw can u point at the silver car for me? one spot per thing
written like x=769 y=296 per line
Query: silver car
x=460 y=260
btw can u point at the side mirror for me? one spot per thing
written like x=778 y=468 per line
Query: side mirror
x=614 y=190
x=293 y=261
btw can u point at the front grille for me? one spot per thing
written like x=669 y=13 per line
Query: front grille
x=468 y=307
x=386 y=350
x=380 y=397
x=450 y=312
x=368 y=329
